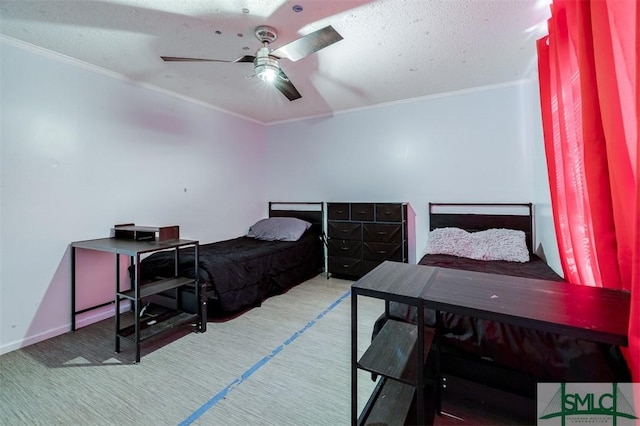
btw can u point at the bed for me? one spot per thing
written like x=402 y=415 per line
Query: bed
x=276 y=254
x=502 y=356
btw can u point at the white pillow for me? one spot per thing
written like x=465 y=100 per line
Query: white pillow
x=504 y=244
x=452 y=241
x=278 y=229
x=492 y=244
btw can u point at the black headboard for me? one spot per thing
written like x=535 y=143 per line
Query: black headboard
x=312 y=212
x=474 y=217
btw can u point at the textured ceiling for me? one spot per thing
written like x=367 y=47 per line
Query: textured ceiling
x=392 y=49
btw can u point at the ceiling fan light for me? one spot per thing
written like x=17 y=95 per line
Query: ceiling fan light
x=266 y=72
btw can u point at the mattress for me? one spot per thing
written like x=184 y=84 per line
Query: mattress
x=242 y=272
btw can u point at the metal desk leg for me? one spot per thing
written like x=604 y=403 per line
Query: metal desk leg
x=201 y=298
x=73 y=288
x=117 y=306
x=136 y=312
x=420 y=367
x=354 y=358
x=438 y=374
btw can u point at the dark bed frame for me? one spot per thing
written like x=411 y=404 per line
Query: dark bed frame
x=311 y=211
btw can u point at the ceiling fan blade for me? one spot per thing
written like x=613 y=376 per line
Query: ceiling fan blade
x=285 y=85
x=246 y=58
x=308 y=44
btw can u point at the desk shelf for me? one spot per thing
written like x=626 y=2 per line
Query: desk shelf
x=156 y=287
x=393 y=353
x=391 y=402
x=160 y=324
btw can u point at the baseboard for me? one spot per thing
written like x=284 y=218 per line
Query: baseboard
x=83 y=320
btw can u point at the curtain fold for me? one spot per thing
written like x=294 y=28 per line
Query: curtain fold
x=588 y=91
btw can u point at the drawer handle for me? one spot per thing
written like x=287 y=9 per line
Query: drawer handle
x=361 y=212
x=344 y=230
x=382 y=252
x=345 y=266
x=387 y=212
x=344 y=248
x=382 y=233
x=339 y=211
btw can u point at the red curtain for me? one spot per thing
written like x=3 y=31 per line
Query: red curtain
x=588 y=90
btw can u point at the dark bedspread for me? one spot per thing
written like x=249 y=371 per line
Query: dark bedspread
x=543 y=355
x=535 y=268
x=243 y=271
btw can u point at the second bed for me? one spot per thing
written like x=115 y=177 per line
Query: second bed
x=505 y=356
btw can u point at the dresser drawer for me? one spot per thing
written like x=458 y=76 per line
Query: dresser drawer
x=345 y=248
x=382 y=233
x=345 y=266
x=362 y=211
x=382 y=251
x=338 y=211
x=345 y=230
x=389 y=212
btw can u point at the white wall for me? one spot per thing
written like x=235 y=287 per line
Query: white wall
x=547 y=244
x=471 y=146
x=82 y=151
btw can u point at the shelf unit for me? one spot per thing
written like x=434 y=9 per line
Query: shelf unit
x=134 y=248
x=398 y=353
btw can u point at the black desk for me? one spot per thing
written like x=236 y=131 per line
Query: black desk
x=135 y=249
x=589 y=313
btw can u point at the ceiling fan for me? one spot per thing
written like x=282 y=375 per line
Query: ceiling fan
x=266 y=62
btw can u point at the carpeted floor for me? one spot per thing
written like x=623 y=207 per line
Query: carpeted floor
x=286 y=362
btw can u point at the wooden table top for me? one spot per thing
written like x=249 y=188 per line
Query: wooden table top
x=396 y=281
x=590 y=313
x=129 y=247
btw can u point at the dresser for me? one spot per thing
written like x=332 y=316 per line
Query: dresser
x=363 y=235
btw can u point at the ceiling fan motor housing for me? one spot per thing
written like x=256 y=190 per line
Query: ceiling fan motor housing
x=266 y=34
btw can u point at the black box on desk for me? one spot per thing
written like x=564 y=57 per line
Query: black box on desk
x=129 y=231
